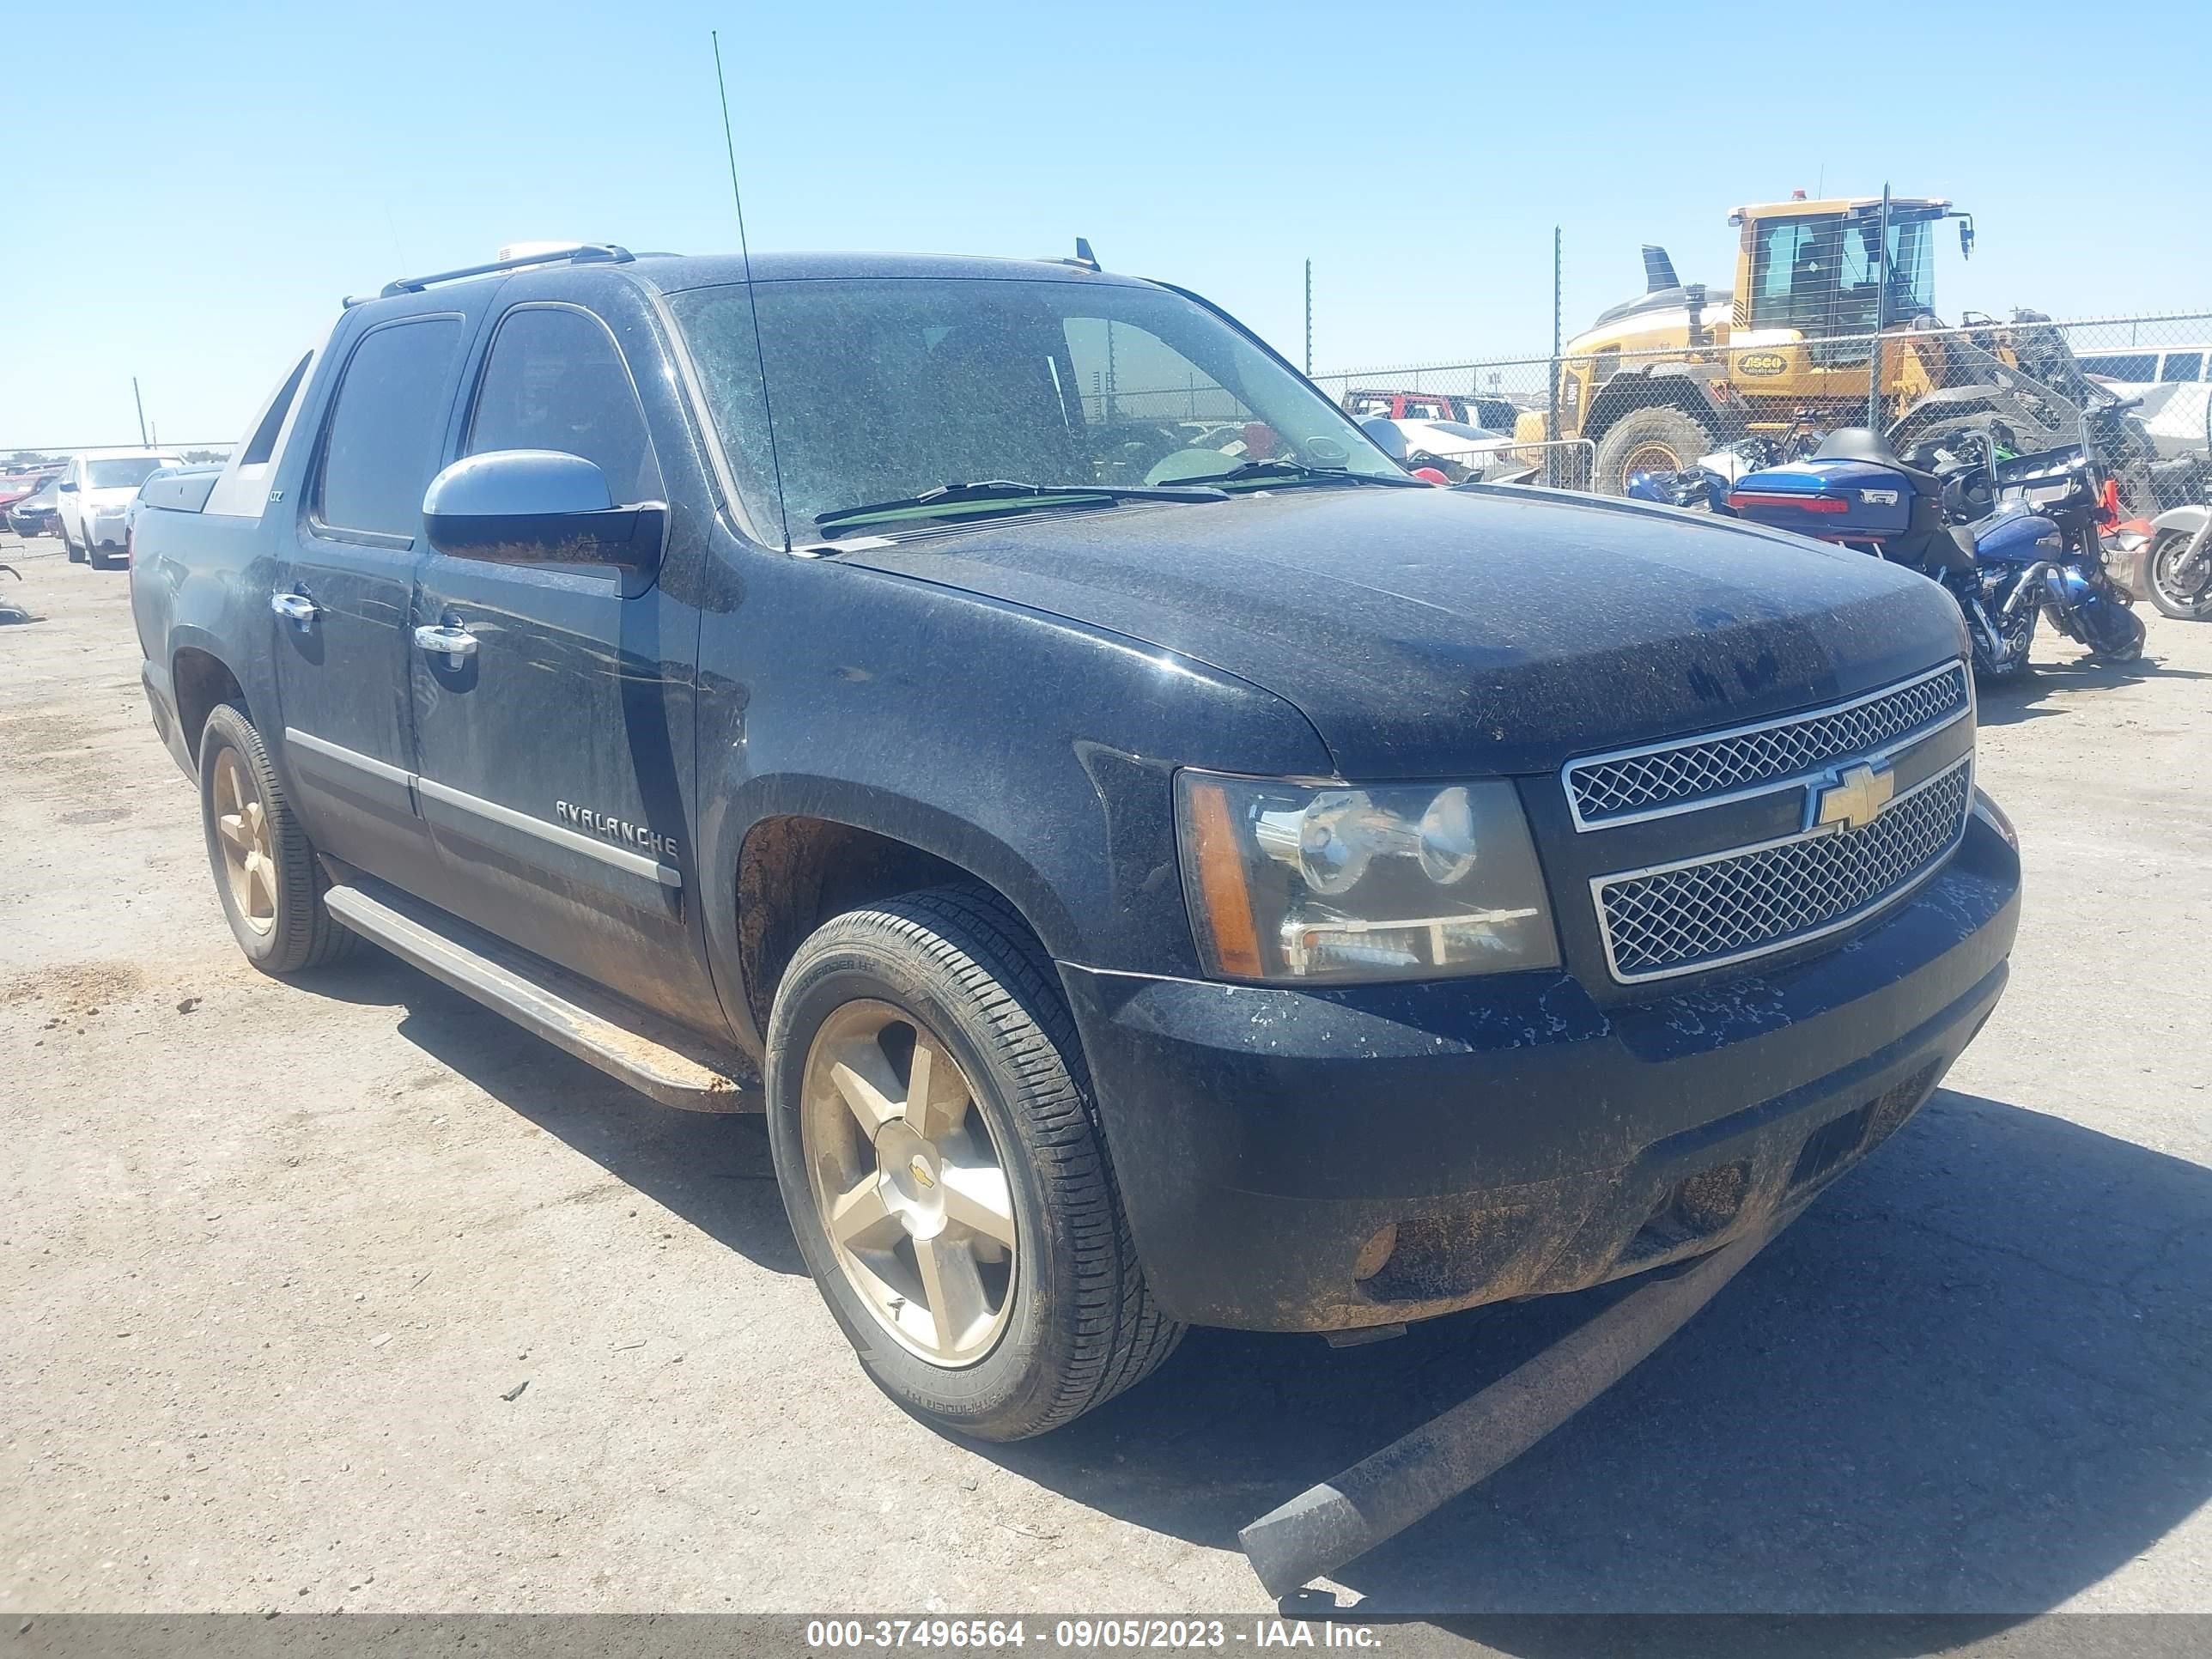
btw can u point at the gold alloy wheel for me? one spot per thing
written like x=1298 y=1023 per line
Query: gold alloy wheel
x=241 y=825
x=911 y=1193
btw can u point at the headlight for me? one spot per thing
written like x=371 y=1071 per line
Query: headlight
x=1327 y=884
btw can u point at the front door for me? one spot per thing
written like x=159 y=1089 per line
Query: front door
x=341 y=598
x=555 y=752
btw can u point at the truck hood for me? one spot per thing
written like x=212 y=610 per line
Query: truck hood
x=1433 y=633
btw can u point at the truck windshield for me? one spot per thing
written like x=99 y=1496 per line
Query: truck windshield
x=884 y=388
x=126 y=473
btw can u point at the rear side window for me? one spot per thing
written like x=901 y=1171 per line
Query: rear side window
x=556 y=380
x=385 y=430
x=2183 y=366
x=262 y=444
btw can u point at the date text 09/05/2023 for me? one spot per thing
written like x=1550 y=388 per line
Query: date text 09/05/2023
x=989 y=1634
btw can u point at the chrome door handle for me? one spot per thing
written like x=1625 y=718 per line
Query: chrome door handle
x=449 y=640
x=294 y=608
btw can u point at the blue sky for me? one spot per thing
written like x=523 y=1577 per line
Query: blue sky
x=215 y=179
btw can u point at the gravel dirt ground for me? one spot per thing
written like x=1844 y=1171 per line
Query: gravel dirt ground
x=345 y=1293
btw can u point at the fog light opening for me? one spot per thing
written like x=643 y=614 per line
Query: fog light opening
x=1375 y=1254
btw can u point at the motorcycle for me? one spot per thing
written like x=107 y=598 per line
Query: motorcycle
x=1704 y=487
x=2176 y=563
x=2012 y=538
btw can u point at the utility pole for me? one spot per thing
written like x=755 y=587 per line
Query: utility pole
x=1309 y=319
x=140 y=402
x=1880 y=315
x=1552 y=414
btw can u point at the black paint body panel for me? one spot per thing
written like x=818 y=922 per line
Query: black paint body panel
x=1015 y=699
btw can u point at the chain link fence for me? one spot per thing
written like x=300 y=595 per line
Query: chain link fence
x=1595 y=419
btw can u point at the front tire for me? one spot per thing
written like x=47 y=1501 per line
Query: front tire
x=266 y=872
x=2184 y=603
x=1660 y=440
x=77 y=555
x=939 y=1153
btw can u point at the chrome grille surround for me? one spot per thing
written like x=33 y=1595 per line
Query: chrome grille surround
x=1630 y=786
x=1727 y=908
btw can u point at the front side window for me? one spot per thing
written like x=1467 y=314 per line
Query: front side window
x=385 y=429
x=884 y=388
x=2135 y=366
x=556 y=380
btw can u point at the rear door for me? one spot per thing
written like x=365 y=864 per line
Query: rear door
x=555 y=756
x=342 y=596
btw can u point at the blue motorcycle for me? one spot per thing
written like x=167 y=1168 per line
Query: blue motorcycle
x=2011 y=539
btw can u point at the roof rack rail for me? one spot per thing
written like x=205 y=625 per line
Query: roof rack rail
x=584 y=253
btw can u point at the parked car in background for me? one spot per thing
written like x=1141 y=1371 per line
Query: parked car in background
x=23 y=483
x=35 y=514
x=2175 y=385
x=97 y=489
x=1495 y=414
x=1453 y=448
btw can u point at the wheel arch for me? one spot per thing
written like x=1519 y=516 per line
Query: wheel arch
x=810 y=849
x=1625 y=394
x=200 y=678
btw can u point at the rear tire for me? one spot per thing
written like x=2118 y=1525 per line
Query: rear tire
x=1056 y=1319
x=1658 y=439
x=266 y=872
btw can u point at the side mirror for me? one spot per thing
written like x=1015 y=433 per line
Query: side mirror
x=66 y=487
x=1388 y=437
x=538 y=506
x=1967 y=239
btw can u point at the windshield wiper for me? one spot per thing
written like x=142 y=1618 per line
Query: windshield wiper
x=1298 y=472
x=1008 y=489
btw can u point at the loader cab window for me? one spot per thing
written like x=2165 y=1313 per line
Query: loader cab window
x=1793 y=274
x=1824 y=275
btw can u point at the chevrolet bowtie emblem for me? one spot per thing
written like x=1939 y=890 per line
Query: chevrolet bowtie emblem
x=1855 y=799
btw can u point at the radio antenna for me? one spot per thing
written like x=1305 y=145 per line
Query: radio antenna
x=752 y=302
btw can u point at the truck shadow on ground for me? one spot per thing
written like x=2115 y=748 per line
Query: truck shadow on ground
x=1970 y=1379
x=2029 y=699
x=711 y=1169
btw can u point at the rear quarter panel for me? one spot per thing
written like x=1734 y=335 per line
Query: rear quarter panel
x=201 y=581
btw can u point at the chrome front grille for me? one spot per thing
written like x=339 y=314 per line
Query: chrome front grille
x=1706 y=913
x=1606 y=790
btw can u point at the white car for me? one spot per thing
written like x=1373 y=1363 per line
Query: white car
x=1454 y=445
x=96 y=490
x=2175 y=388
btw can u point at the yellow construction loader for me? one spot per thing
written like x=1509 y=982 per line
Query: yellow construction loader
x=1677 y=371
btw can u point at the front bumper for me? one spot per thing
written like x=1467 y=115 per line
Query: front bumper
x=1520 y=1139
x=105 y=530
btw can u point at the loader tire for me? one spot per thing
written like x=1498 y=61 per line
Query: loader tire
x=1660 y=440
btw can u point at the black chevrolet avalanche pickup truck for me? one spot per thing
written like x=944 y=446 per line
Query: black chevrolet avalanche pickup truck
x=1154 y=862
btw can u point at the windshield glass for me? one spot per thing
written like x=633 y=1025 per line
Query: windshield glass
x=127 y=472
x=884 y=388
